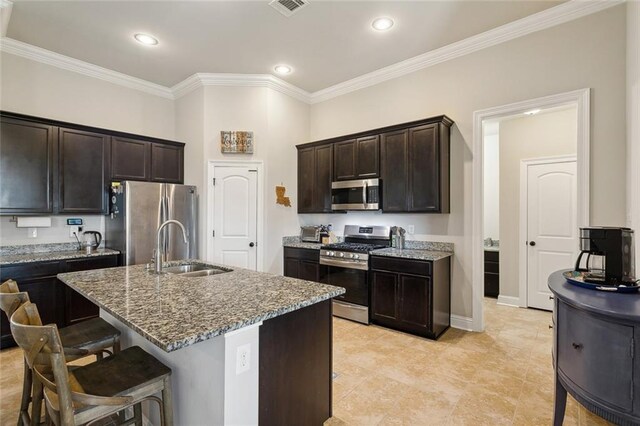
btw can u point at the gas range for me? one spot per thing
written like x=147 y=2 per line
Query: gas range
x=348 y=267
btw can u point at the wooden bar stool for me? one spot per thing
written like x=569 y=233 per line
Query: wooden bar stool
x=95 y=391
x=91 y=337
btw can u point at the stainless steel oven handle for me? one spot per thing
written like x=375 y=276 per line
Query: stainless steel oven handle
x=344 y=263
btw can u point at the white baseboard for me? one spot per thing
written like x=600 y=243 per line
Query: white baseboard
x=463 y=323
x=509 y=301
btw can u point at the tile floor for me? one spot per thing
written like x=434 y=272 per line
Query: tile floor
x=502 y=376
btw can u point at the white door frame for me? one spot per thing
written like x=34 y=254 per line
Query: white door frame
x=523 y=228
x=579 y=98
x=260 y=242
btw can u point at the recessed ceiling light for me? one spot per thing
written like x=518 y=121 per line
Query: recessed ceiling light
x=532 y=112
x=282 y=69
x=146 y=39
x=382 y=24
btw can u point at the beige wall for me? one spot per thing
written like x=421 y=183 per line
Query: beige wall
x=589 y=52
x=278 y=122
x=491 y=183
x=633 y=122
x=33 y=88
x=543 y=135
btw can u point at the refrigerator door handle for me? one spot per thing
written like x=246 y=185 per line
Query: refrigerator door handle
x=165 y=231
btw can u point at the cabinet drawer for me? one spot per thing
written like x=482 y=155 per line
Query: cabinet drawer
x=29 y=270
x=493 y=256
x=91 y=263
x=394 y=264
x=302 y=254
x=596 y=355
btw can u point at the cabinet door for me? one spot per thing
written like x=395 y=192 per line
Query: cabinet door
x=596 y=355
x=291 y=267
x=306 y=179
x=167 y=163
x=83 y=165
x=344 y=160
x=27 y=152
x=323 y=179
x=130 y=159
x=367 y=157
x=309 y=271
x=414 y=293
x=393 y=152
x=384 y=296
x=46 y=293
x=424 y=169
x=77 y=307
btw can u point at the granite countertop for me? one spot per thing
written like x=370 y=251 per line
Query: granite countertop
x=294 y=242
x=491 y=248
x=13 y=255
x=408 y=253
x=175 y=312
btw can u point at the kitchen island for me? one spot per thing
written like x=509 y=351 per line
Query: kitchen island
x=245 y=347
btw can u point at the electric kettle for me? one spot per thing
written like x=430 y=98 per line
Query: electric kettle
x=91 y=240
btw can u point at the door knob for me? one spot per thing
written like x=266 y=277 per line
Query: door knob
x=532 y=243
x=251 y=244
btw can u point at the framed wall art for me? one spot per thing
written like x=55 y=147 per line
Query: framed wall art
x=236 y=142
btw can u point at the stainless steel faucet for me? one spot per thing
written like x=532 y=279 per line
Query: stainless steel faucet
x=158 y=251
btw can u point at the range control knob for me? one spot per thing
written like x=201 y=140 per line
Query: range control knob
x=356 y=256
x=341 y=255
x=352 y=256
x=331 y=253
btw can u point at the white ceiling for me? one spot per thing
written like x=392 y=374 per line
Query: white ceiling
x=326 y=43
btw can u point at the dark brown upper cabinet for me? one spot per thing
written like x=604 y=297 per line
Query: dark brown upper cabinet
x=51 y=167
x=411 y=159
x=27 y=152
x=130 y=159
x=315 y=174
x=167 y=163
x=83 y=172
x=356 y=158
x=415 y=169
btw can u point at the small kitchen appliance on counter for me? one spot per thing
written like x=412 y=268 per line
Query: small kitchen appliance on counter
x=610 y=259
x=310 y=234
x=91 y=241
x=348 y=266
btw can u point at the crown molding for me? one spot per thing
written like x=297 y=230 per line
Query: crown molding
x=28 y=51
x=565 y=12
x=239 y=80
x=548 y=18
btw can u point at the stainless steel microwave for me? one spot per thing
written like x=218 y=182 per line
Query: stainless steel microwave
x=360 y=194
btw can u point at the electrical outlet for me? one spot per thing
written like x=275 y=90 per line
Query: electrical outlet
x=75 y=230
x=243 y=358
x=411 y=229
x=32 y=232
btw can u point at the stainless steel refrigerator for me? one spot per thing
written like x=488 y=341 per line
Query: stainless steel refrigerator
x=137 y=209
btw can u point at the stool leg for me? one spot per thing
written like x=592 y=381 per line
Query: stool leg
x=137 y=414
x=36 y=402
x=167 y=403
x=27 y=381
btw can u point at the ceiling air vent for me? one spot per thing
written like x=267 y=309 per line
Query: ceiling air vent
x=288 y=7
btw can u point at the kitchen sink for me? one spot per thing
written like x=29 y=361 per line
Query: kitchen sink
x=195 y=270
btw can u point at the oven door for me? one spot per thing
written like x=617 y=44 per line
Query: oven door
x=355 y=281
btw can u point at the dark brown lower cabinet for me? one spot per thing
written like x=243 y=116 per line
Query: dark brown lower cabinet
x=296 y=366
x=303 y=264
x=411 y=295
x=55 y=301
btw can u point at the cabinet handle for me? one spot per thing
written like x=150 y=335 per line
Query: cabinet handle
x=550 y=326
x=577 y=346
x=551 y=297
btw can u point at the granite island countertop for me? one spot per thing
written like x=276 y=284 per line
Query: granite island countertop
x=15 y=255
x=415 y=254
x=174 y=312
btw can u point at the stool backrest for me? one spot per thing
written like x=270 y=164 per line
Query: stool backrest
x=11 y=297
x=44 y=353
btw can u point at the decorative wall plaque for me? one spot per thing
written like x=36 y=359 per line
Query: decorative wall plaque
x=238 y=142
x=280 y=198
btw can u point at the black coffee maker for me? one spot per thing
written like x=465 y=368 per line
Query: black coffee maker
x=610 y=256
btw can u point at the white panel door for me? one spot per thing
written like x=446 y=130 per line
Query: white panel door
x=235 y=216
x=552 y=230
